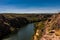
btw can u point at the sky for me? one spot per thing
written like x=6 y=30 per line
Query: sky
x=29 y=6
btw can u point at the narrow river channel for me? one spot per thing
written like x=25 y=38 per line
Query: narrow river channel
x=24 y=33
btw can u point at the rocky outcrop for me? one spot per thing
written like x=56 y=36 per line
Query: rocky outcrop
x=9 y=26
x=50 y=30
x=11 y=23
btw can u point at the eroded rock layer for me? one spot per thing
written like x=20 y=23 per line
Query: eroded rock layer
x=48 y=29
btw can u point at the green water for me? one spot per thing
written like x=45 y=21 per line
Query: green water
x=24 y=33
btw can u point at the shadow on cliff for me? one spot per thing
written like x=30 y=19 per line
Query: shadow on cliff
x=10 y=26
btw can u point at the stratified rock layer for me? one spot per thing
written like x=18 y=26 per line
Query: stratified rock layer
x=50 y=30
x=9 y=26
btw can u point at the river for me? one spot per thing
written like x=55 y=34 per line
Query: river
x=24 y=33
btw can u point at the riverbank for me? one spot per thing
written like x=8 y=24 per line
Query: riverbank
x=24 y=33
x=48 y=29
x=11 y=23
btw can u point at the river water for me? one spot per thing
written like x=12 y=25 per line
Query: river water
x=24 y=33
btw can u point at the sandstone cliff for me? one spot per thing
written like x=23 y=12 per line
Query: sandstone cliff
x=48 y=29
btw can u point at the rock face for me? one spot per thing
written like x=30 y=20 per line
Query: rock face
x=10 y=23
x=45 y=24
x=50 y=29
x=50 y=37
x=18 y=22
x=8 y=26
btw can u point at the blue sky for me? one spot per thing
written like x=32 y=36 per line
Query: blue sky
x=29 y=6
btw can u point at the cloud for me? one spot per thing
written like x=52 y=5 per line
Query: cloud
x=10 y=9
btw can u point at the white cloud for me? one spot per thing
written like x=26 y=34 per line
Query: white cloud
x=9 y=9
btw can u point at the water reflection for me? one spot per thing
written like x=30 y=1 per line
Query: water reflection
x=24 y=33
